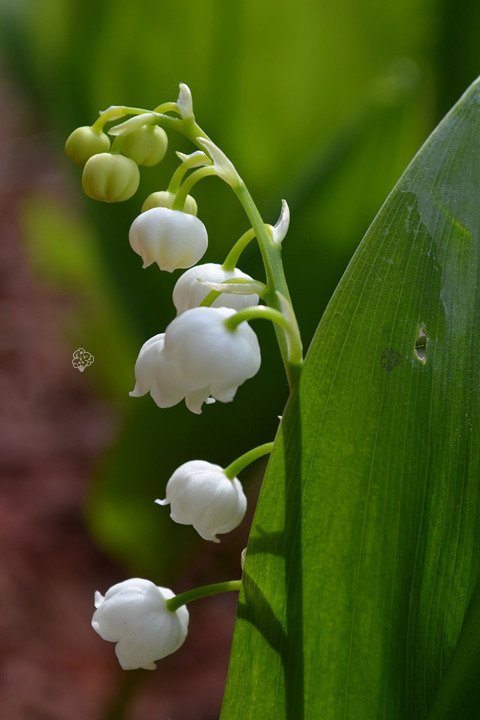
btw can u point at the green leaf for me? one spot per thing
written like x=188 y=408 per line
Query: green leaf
x=364 y=554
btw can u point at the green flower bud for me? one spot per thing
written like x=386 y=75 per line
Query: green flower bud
x=111 y=178
x=147 y=145
x=84 y=142
x=165 y=199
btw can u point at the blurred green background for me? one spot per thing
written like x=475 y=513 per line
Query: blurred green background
x=321 y=103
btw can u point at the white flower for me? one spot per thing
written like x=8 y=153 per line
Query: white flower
x=171 y=238
x=189 y=291
x=154 y=374
x=200 y=494
x=134 y=614
x=196 y=358
x=211 y=359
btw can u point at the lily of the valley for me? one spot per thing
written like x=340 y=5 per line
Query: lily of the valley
x=134 y=615
x=197 y=359
x=200 y=494
x=189 y=291
x=171 y=238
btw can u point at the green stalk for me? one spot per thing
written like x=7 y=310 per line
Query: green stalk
x=271 y=255
x=178 y=175
x=188 y=184
x=236 y=467
x=262 y=312
x=201 y=592
x=231 y=260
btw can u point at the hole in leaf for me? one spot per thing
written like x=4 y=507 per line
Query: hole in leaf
x=420 y=349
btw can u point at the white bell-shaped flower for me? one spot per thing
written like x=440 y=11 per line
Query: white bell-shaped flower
x=171 y=238
x=198 y=359
x=134 y=615
x=189 y=291
x=154 y=374
x=211 y=359
x=200 y=494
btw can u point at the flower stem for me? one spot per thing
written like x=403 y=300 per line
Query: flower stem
x=236 y=467
x=115 y=113
x=231 y=260
x=290 y=337
x=271 y=255
x=178 y=175
x=210 y=298
x=189 y=183
x=167 y=107
x=201 y=592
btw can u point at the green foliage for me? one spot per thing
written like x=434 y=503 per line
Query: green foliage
x=360 y=595
x=321 y=103
x=312 y=104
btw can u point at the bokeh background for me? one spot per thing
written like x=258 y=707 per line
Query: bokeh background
x=321 y=103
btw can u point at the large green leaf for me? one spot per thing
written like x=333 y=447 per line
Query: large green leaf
x=364 y=554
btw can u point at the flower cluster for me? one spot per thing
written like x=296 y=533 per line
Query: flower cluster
x=206 y=352
x=197 y=359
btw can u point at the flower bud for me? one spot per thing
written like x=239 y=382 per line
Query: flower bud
x=111 y=178
x=171 y=238
x=165 y=199
x=189 y=291
x=200 y=494
x=84 y=142
x=134 y=615
x=198 y=359
x=146 y=146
